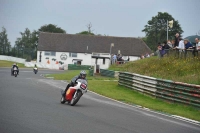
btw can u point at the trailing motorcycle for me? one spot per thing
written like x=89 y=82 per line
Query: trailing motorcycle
x=15 y=71
x=35 y=70
x=73 y=94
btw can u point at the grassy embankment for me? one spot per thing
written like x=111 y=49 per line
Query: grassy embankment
x=111 y=89
x=4 y=63
x=179 y=70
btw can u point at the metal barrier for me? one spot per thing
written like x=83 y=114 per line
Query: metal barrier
x=107 y=73
x=188 y=53
x=165 y=89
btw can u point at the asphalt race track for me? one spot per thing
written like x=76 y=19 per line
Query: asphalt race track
x=30 y=103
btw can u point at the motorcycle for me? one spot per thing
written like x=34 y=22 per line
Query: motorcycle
x=35 y=70
x=73 y=94
x=15 y=71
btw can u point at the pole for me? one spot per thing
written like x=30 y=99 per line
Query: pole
x=111 y=45
x=167 y=30
x=110 y=54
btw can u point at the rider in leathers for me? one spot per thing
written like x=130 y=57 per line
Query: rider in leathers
x=73 y=81
x=14 y=65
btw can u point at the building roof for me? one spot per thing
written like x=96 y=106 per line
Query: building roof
x=76 y=43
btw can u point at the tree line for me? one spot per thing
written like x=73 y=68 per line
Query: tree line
x=156 y=30
x=26 y=45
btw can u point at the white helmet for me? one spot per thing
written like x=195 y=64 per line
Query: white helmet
x=83 y=74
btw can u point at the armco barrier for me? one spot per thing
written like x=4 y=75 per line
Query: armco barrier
x=165 y=89
x=107 y=73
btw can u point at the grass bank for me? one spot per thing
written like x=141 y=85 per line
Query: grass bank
x=111 y=89
x=179 y=70
x=4 y=63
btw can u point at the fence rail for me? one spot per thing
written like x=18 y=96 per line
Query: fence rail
x=164 y=89
x=188 y=53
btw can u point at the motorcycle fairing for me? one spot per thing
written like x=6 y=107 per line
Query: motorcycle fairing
x=70 y=93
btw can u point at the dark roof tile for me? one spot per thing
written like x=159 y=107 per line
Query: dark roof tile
x=60 y=42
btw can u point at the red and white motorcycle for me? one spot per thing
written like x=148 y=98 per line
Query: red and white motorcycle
x=73 y=94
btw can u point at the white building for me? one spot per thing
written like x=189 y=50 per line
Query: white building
x=86 y=49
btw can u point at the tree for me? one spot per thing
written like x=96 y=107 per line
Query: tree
x=86 y=33
x=5 y=46
x=89 y=32
x=89 y=26
x=26 y=44
x=51 y=28
x=156 y=29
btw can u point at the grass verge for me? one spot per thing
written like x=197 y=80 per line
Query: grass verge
x=113 y=90
x=4 y=63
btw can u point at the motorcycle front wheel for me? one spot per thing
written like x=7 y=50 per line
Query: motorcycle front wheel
x=76 y=98
x=15 y=73
x=62 y=100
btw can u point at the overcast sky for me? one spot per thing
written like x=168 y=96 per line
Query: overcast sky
x=124 y=18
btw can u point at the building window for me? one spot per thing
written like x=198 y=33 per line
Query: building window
x=72 y=54
x=50 y=53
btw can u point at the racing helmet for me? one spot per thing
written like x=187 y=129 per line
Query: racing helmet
x=83 y=74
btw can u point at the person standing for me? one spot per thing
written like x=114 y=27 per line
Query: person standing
x=196 y=47
x=114 y=58
x=177 y=39
x=197 y=43
x=169 y=44
x=181 y=47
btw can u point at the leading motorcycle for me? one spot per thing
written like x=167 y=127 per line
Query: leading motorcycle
x=35 y=70
x=74 y=94
x=15 y=71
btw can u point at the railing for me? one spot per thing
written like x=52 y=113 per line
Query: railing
x=164 y=89
x=180 y=53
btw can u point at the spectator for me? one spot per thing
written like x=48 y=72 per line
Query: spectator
x=169 y=44
x=177 y=39
x=197 y=43
x=187 y=43
x=142 y=56
x=166 y=48
x=128 y=59
x=120 y=59
x=114 y=58
x=147 y=55
x=173 y=42
x=159 y=49
x=196 y=47
x=181 y=47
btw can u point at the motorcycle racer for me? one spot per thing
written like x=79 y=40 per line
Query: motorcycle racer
x=82 y=75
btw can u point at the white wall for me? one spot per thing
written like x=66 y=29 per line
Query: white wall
x=132 y=58
x=86 y=60
x=14 y=59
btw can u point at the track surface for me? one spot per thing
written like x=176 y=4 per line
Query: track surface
x=31 y=103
